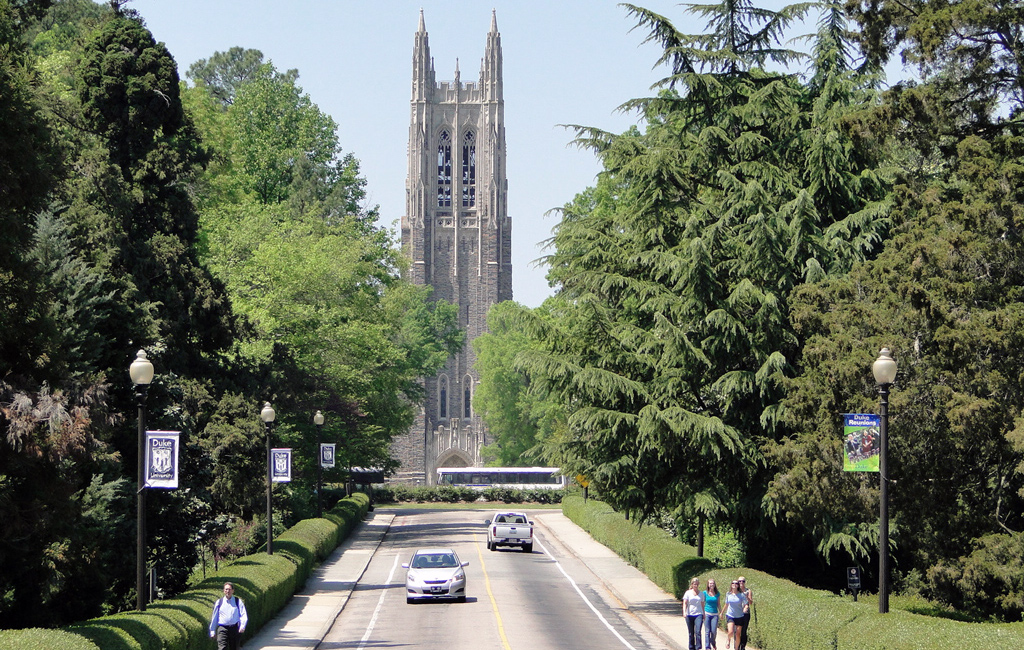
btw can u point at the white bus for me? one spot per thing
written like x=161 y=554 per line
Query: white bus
x=506 y=477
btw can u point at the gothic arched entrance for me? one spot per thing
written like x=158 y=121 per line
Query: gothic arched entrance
x=454 y=458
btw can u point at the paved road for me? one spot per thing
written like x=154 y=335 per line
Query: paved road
x=570 y=592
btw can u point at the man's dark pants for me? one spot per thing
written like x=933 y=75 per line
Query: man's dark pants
x=228 y=637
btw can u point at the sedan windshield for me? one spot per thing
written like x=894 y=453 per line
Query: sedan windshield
x=435 y=561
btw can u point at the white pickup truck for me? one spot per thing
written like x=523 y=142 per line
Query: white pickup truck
x=510 y=529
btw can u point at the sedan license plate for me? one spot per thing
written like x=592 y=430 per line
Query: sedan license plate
x=438 y=590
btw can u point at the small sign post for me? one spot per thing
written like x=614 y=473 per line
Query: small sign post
x=853 y=580
x=584 y=482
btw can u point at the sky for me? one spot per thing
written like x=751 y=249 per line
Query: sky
x=565 y=62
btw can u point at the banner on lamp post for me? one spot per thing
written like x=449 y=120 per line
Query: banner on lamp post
x=281 y=465
x=860 y=442
x=327 y=455
x=162 y=459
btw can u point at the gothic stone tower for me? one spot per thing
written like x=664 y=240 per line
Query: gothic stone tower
x=457 y=233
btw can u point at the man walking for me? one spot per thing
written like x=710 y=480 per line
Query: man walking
x=228 y=620
x=746 y=612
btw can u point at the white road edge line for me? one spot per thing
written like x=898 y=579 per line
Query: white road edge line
x=376 y=612
x=583 y=596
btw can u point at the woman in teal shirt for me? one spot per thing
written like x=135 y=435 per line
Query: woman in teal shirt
x=712 y=610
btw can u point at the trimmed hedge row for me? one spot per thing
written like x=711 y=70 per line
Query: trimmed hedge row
x=786 y=615
x=668 y=564
x=264 y=582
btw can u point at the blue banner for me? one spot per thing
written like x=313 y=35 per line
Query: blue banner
x=162 y=459
x=327 y=455
x=281 y=465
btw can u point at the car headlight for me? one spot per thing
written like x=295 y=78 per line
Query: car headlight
x=459 y=575
x=411 y=577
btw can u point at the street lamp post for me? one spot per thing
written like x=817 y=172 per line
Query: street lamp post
x=141 y=372
x=884 y=370
x=318 y=420
x=268 y=415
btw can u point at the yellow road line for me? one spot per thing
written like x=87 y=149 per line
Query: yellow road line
x=490 y=594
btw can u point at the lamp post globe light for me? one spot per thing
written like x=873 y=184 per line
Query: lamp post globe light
x=268 y=415
x=318 y=420
x=141 y=372
x=884 y=370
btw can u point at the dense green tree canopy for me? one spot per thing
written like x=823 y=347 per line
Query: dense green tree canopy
x=228 y=236
x=972 y=49
x=673 y=354
x=225 y=72
x=520 y=416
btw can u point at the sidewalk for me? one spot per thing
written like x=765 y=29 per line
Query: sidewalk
x=305 y=620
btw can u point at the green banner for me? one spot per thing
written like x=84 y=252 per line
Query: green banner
x=860 y=442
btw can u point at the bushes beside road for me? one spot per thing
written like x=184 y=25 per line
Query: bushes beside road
x=668 y=564
x=264 y=582
x=787 y=616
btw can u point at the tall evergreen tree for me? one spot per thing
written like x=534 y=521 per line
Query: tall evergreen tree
x=129 y=92
x=680 y=263
x=27 y=173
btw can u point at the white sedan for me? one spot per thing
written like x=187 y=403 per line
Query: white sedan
x=435 y=573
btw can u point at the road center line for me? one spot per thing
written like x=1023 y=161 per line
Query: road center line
x=490 y=594
x=376 y=612
x=582 y=595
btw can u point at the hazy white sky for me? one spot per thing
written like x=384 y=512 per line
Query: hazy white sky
x=571 y=62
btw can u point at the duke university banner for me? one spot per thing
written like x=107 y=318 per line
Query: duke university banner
x=281 y=465
x=162 y=459
x=326 y=455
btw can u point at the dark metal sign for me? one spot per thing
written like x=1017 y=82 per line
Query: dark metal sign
x=853 y=578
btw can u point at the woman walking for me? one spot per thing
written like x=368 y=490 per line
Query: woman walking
x=712 y=611
x=735 y=603
x=693 y=610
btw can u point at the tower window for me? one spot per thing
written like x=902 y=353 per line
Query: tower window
x=444 y=170
x=442 y=397
x=467 y=397
x=469 y=170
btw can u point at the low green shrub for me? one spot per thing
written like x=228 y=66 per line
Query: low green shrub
x=667 y=562
x=39 y=639
x=785 y=616
x=264 y=582
x=723 y=548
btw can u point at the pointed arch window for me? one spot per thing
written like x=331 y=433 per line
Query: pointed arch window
x=469 y=170
x=442 y=397
x=444 y=170
x=467 y=397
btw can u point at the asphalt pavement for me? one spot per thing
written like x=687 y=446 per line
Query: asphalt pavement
x=308 y=616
